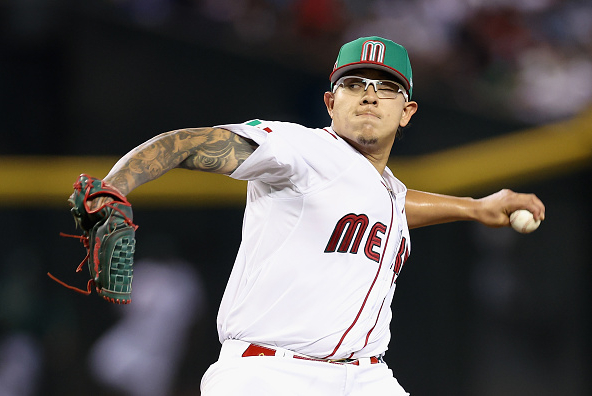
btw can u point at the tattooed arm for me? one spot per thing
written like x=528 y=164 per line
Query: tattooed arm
x=207 y=149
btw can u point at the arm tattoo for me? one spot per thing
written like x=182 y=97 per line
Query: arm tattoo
x=207 y=149
x=221 y=152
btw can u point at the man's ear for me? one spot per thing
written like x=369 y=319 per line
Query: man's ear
x=408 y=111
x=329 y=99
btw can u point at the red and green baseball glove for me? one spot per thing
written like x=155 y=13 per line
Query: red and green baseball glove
x=108 y=234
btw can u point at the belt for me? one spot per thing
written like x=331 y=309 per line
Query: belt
x=258 y=350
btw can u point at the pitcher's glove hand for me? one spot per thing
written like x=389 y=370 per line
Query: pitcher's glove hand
x=108 y=234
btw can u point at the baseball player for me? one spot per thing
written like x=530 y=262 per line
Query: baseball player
x=325 y=235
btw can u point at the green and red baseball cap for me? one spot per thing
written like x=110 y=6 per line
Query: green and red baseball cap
x=374 y=53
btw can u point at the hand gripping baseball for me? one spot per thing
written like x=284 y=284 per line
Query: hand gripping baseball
x=108 y=234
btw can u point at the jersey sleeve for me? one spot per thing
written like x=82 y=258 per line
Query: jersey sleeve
x=255 y=130
x=281 y=158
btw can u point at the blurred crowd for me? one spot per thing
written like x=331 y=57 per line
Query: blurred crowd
x=528 y=60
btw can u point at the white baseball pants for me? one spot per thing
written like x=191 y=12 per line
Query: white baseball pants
x=235 y=375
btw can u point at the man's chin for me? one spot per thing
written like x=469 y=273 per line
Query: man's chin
x=367 y=141
x=367 y=135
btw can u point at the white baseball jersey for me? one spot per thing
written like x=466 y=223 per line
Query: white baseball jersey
x=324 y=239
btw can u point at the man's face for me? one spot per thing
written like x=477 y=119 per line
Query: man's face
x=366 y=121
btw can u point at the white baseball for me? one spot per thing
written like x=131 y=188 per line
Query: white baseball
x=523 y=221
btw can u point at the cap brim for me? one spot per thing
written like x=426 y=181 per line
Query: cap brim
x=337 y=73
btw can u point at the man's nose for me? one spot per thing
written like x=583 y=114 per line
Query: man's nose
x=370 y=95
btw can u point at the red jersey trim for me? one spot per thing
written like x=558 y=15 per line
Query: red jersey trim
x=371 y=287
x=332 y=134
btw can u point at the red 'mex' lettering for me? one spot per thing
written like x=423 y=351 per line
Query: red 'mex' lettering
x=356 y=226
x=374 y=240
x=351 y=228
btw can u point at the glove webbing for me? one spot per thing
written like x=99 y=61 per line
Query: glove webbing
x=91 y=282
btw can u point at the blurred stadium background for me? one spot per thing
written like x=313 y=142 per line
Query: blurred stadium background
x=505 y=95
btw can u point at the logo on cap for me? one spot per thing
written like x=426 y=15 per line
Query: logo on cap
x=373 y=51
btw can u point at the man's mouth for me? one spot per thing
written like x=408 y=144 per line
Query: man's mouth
x=368 y=113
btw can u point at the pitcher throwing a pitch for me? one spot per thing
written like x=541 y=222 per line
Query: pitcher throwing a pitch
x=325 y=234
